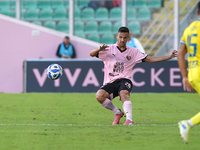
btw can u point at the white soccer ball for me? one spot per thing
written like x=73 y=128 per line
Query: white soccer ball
x=54 y=71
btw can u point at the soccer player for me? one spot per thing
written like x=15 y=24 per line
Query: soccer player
x=190 y=43
x=119 y=61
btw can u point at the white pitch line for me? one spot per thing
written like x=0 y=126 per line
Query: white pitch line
x=83 y=125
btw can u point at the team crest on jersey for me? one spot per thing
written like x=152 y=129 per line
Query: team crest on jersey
x=128 y=85
x=128 y=57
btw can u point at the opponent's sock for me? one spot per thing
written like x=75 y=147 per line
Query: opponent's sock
x=195 y=120
x=109 y=105
x=127 y=106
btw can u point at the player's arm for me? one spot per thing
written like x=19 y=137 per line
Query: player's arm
x=183 y=68
x=95 y=52
x=153 y=59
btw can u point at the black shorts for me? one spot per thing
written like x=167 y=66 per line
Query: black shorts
x=115 y=87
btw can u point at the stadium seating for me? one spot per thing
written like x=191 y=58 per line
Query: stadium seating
x=139 y=3
x=105 y=27
x=6 y=11
x=29 y=4
x=80 y=34
x=116 y=26
x=91 y=27
x=56 y=4
x=107 y=39
x=115 y=13
x=94 y=37
x=31 y=14
x=135 y=27
x=83 y=3
x=77 y=13
x=44 y=4
x=154 y=3
x=87 y=14
x=61 y=14
x=46 y=14
x=131 y=13
x=37 y=23
x=63 y=26
x=13 y=4
x=78 y=26
x=50 y=24
x=4 y=4
x=101 y=14
x=144 y=14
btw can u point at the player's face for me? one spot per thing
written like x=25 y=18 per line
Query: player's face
x=66 y=41
x=122 y=38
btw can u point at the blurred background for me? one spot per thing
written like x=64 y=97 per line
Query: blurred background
x=33 y=29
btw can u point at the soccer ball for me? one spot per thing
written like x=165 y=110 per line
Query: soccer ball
x=54 y=71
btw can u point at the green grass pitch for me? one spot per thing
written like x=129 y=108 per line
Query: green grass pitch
x=74 y=121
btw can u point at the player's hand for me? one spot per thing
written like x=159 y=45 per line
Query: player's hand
x=186 y=86
x=173 y=54
x=63 y=55
x=103 y=47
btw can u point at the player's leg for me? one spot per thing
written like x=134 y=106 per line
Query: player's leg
x=186 y=125
x=103 y=97
x=127 y=106
x=125 y=88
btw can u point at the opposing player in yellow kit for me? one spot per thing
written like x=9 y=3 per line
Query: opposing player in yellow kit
x=190 y=43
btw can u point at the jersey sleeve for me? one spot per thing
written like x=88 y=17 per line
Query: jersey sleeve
x=183 y=38
x=139 y=56
x=103 y=54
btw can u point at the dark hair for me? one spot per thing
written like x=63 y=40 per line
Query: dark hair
x=123 y=29
x=198 y=6
x=66 y=37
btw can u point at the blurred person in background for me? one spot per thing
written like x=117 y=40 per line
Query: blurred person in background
x=134 y=42
x=66 y=49
x=190 y=43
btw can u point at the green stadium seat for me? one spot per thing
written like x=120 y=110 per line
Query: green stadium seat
x=29 y=4
x=107 y=39
x=44 y=4
x=83 y=3
x=22 y=15
x=102 y=13
x=154 y=3
x=78 y=26
x=80 y=34
x=144 y=14
x=87 y=14
x=31 y=14
x=6 y=11
x=56 y=4
x=77 y=13
x=135 y=27
x=37 y=23
x=115 y=13
x=105 y=27
x=4 y=4
x=46 y=14
x=50 y=24
x=13 y=4
x=94 y=37
x=63 y=26
x=129 y=3
x=131 y=13
x=91 y=27
x=139 y=3
x=61 y=14
x=116 y=27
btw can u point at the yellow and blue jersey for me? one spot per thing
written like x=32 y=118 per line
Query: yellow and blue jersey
x=191 y=39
